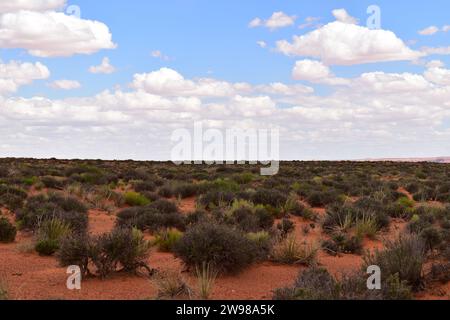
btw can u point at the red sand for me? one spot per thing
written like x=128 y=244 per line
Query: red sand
x=29 y=276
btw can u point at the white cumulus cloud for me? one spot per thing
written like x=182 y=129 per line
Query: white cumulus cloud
x=16 y=74
x=32 y=5
x=65 y=84
x=429 y=31
x=53 y=34
x=343 y=16
x=278 y=20
x=341 y=43
x=105 y=67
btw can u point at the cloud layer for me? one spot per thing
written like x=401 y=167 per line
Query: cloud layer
x=32 y=26
x=339 y=43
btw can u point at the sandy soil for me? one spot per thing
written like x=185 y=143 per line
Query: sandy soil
x=100 y=222
x=29 y=276
x=188 y=205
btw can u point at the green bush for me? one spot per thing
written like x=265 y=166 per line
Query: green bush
x=262 y=242
x=317 y=284
x=269 y=197
x=11 y=197
x=164 y=206
x=396 y=289
x=122 y=247
x=50 y=234
x=41 y=208
x=342 y=243
x=227 y=248
x=52 y=183
x=149 y=218
x=406 y=202
x=431 y=237
x=322 y=198
x=75 y=250
x=135 y=199
x=167 y=239
x=312 y=284
x=265 y=218
x=46 y=247
x=216 y=198
x=165 y=191
x=288 y=251
x=142 y=186
x=185 y=190
x=404 y=256
x=7 y=231
x=285 y=227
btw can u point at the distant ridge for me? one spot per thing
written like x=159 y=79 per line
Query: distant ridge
x=431 y=159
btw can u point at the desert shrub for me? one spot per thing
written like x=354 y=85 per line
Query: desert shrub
x=373 y=209
x=396 y=210
x=404 y=256
x=289 y=251
x=149 y=218
x=165 y=191
x=440 y=272
x=269 y=197
x=135 y=199
x=227 y=248
x=166 y=240
x=366 y=226
x=122 y=247
x=52 y=183
x=11 y=197
x=406 y=202
x=46 y=247
x=292 y=206
x=152 y=196
x=342 y=243
x=224 y=185
x=417 y=224
x=322 y=198
x=317 y=284
x=67 y=203
x=263 y=243
x=312 y=284
x=265 y=218
x=424 y=194
x=394 y=288
x=7 y=231
x=142 y=186
x=339 y=217
x=50 y=233
x=431 y=238
x=367 y=219
x=171 y=286
x=243 y=178
x=412 y=187
x=285 y=227
x=216 y=198
x=75 y=250
x=185 y=190
x=196 y=217
x=245 y=218
x=206 y=277
x=164 y=206
x=41 y=208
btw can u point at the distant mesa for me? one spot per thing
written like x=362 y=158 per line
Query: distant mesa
x=432 y=159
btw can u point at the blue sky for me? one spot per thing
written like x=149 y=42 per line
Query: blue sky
x=212 y=39
x=204 y=36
